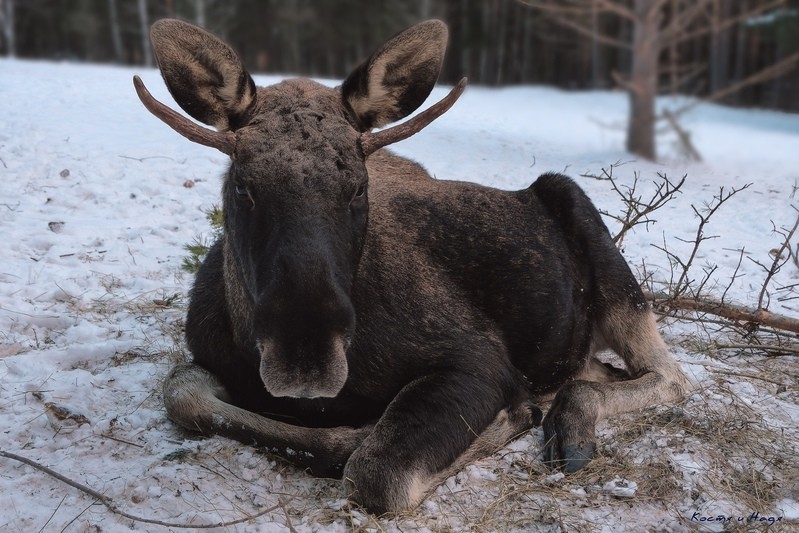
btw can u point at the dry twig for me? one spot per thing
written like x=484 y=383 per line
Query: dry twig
x=776 y=265
x=637 y=211
x=111 y=506
x=683 y=283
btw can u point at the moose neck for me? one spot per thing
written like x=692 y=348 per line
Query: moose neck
x=239 y=302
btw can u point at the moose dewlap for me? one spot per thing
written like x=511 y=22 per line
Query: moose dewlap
x=364 y=320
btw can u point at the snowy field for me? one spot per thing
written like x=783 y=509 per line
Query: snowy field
x=98 y=199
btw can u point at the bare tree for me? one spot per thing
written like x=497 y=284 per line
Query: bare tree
x=7 y=23
x=658 y=26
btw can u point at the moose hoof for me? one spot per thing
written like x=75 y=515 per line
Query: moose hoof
x=569 y=440
x=576 y=456
x=570 y=457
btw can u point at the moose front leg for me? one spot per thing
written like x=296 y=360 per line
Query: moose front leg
x=196 y=400
x=434 y=426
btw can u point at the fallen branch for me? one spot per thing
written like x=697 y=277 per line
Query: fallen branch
x=109 y=503
x=724 y=310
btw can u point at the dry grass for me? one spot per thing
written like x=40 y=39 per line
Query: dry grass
x=716 y=452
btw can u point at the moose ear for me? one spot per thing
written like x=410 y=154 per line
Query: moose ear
x=205 y=76
x=398 y=77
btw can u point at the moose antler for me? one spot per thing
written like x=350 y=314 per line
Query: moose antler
x=224 y=141
x=374 y=141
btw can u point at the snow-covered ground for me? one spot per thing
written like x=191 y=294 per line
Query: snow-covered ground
x=98 y=199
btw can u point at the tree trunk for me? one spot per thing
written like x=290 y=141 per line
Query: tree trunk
x=643 y=82
x=486 y=31
x=424 y=9
x=7 y=17
x=145 y=34
x=595 y=57
x=466 y=45
x=501 y=35
x=199 y=13
x=740 y=54
x=527 y=56
x=116 y=33
x=719 y=46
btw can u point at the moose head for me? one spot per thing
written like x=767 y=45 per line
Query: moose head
x=295 y=198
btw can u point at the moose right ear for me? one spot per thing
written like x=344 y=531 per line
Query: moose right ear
x=205 y=76
x=398 y=77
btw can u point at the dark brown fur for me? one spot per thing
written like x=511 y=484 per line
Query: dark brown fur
x=391 y=334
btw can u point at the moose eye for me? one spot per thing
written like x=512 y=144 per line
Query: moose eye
x=358 y=200
x=243 y=195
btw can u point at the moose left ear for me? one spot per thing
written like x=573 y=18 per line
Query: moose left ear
x=204 y=75
x=398 y=77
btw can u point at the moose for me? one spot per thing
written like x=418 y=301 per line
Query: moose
x=361 y=319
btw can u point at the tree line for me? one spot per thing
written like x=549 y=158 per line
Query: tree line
x=493 y=42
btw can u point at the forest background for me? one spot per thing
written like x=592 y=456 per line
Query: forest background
x=582 y=44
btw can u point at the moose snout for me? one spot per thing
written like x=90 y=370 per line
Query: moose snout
x=304 y=370
x=303 y=317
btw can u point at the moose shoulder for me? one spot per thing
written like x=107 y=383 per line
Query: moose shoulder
x=362 y=319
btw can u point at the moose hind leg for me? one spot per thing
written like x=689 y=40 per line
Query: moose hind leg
x=622 y=320
x=656 y=378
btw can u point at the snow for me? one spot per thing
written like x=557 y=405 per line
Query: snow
x=95 y=209
x=621 y=488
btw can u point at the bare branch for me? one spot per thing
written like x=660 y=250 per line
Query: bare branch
x=762 y=347
x=683 y=283
x=608 y=6
x=682 y=135
x=681 y=19
x=638 y=211
x=683 y=74
x=734 y=276
x=724 y=24
x=769 y=73
x=554 y=7
x=777 y=263
x=569 y=17
x=625 y=84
